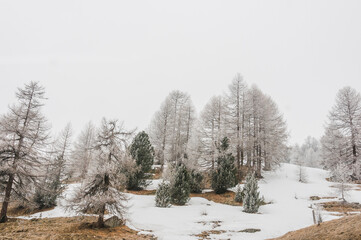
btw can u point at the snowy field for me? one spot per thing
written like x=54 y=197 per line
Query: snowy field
x=289 y=209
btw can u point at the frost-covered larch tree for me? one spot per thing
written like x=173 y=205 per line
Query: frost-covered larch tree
x=342 y=139
x=341 y=174
x=83 y=151
x=23 y=136
x=99 y=191
x=159 y=131
x=236 y=113
x=171 y=127
x=211 y=130
x=51 y=185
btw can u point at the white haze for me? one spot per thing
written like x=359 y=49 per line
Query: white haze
x=119 y=59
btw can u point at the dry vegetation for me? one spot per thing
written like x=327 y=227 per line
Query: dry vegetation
x=205 y=235
x=346 y=228
x=142 y=192
x=342 y=207
x=316 y=198
x=78 y=228
x=156 y=173
x=225 y=198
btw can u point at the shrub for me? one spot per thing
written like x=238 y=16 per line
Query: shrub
x=196 y=179
x=251 y=201
x=239 y=194
x=180 y=187
x=224 y=176
x=162 y=196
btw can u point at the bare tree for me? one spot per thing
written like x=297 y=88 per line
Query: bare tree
x=62 y=150
x=23 y=134
x=211 y=129
x=100 y=189
x=273 y=134
x=310 y=152
x=83 y=152
x=342 y=140
x=236 y=116
x=160 y=131
x=341 y=174
x=57 y=158
x=170 y=130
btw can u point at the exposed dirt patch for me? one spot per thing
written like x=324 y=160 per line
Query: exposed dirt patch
x=156 y=173
x=15 y=210
x=345 y=228
x=206 y=234
x=142 y=192
x=250 y=230
x=315 y=198
x=214 y=224
x=79 y=228
x=341 y=207
x=225 y=198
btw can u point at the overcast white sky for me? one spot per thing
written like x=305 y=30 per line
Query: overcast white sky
x=119 y=59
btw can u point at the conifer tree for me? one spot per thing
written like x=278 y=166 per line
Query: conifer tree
x=162 y=196
x=196 y=179
x=23 y=137
x=239 y=194
x=180 y=187
x=99 y=191
x=251 y=201
x=224 y=176
x=143 y=153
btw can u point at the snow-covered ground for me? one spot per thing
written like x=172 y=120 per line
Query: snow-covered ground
x=290 y=209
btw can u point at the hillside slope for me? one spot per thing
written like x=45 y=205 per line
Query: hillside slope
x=346 y=228
x=289 y=210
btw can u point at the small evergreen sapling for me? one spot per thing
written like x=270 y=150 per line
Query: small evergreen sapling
x=224 y=176
x=239 y=194
x=196 y=179
x=162 y=196
x=252 y=200
x=180 y=187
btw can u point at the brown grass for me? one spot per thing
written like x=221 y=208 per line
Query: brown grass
x=342 y=207
x=315 y=198
x=142 y=192
x=157 y=173
x=205 y=234
x=78 y=228
x=346 y=228
x=225 y=198
x=16 y=210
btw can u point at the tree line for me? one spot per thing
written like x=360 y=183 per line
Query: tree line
x=35 y=165
x=245 y=115
x=242 y=129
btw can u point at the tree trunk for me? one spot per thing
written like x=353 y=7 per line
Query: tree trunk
x=259 y=162
x=4 y=209
x=100 y=223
